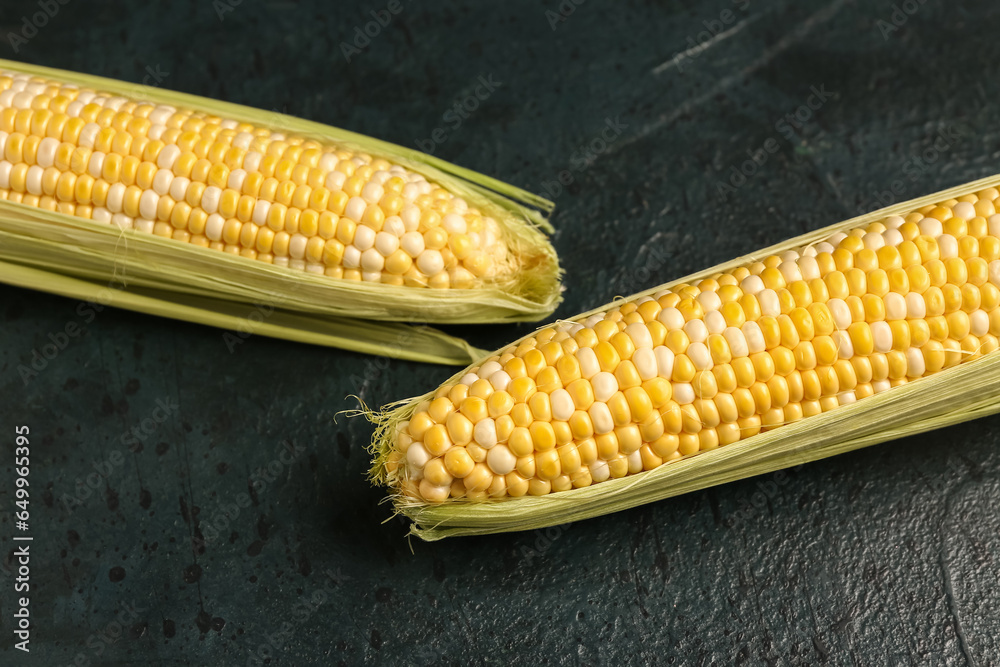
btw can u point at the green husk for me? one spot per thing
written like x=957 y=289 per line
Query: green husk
x=101 y=252
x=961 y=393
x=402 y=341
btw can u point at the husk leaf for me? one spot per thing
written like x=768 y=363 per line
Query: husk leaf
x=967 y=391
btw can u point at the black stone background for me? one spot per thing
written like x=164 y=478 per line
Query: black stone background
x=880 y=557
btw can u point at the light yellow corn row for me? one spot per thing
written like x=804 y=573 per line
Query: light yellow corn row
x=657 y=379
x=236 y=188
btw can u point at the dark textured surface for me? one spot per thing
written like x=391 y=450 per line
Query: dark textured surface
x=880 y=557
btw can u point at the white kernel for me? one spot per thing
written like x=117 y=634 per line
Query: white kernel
x=251 y=161
x=916 y=307
x=34 y=180
x=754 y=337
x=605 y=386
x=147 y=204
x=46 y=154
x=808 y=268
x=372 y=192
x=162 y=181
x=709 y=300
x=243 y=140
x=670 y=318
x=979 y=323
x=210 y=199
x=893 y=222
x=386 y=243
x=260 y=211
x=355 y=209
x=696 y=331
x=589 y=365
x=964 y=210
x=488 y=369
x=600 y=471
x=352 y=257
x=485 y=433
x=469 y=378
x=873 y=240
x=845 y=348
x=881 y=385
x=930 y=227
x=639 y=334
x=994 y=225
x=664 y=361
x=417 y=455
x=836 y=238
x=167 y=156
x=601 y=417
x=101 y=214
x=892 y=237
x=116 y=197
x=790 y=271
x=840 y=311
x=178 y=187
x=895 y=306
x=562 y=405
x=328 y=161
x=847 y=397
x=500 y=459
x=236 y=178
x=364 y=237
x=372 y=260
x=737 y=342
x=683 y=393
x=700 y=356
x=715 y=322
x=394 y=225
x=5 y=168
x=645 y=362
x=95 y=166
x=454 y=224
x=430 y=262
x=500 y=380
x=769 y=303
x=915 y=367
x=882 y=335
x=947 y=246
x=214 y=226
x=410 y=215
x=412 y=243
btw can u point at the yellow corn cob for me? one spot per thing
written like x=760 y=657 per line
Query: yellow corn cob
x=704 y=364
x=230 y=186
x=107 y=182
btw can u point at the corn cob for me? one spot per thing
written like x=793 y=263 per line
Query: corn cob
x=310 y=212
x=711 y=362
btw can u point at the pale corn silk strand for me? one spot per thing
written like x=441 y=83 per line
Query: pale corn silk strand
x=735 y=371
x=236 y=188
